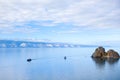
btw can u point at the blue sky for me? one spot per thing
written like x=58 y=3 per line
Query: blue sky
x=74 y=21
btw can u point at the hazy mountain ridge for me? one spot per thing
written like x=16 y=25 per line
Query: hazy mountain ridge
x=30 y=44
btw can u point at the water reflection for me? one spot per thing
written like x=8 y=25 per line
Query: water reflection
x=100 y=62
x=112 y=61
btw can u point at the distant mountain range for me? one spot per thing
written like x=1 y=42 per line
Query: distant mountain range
x=30 y=44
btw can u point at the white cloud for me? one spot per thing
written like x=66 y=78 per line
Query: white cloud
x=94 y=14
x=89 y=13
x=67 y=32
x=11 y=29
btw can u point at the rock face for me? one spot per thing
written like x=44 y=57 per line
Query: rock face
x=112 y=54
x=100 y=53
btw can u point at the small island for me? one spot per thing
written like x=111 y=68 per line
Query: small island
x=100 y=53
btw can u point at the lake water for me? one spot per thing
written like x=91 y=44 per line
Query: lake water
x=49 y=64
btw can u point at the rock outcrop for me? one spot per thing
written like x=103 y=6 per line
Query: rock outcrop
x=112 y=54
x=100 y=53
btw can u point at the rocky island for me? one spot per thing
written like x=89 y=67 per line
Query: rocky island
x=100 y=53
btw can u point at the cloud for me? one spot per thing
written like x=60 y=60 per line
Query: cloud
x=25 y=29
x=91 y=13
x=67 y=32
x=80 y=13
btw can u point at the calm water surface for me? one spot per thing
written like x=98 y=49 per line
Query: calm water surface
x=49 y=64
